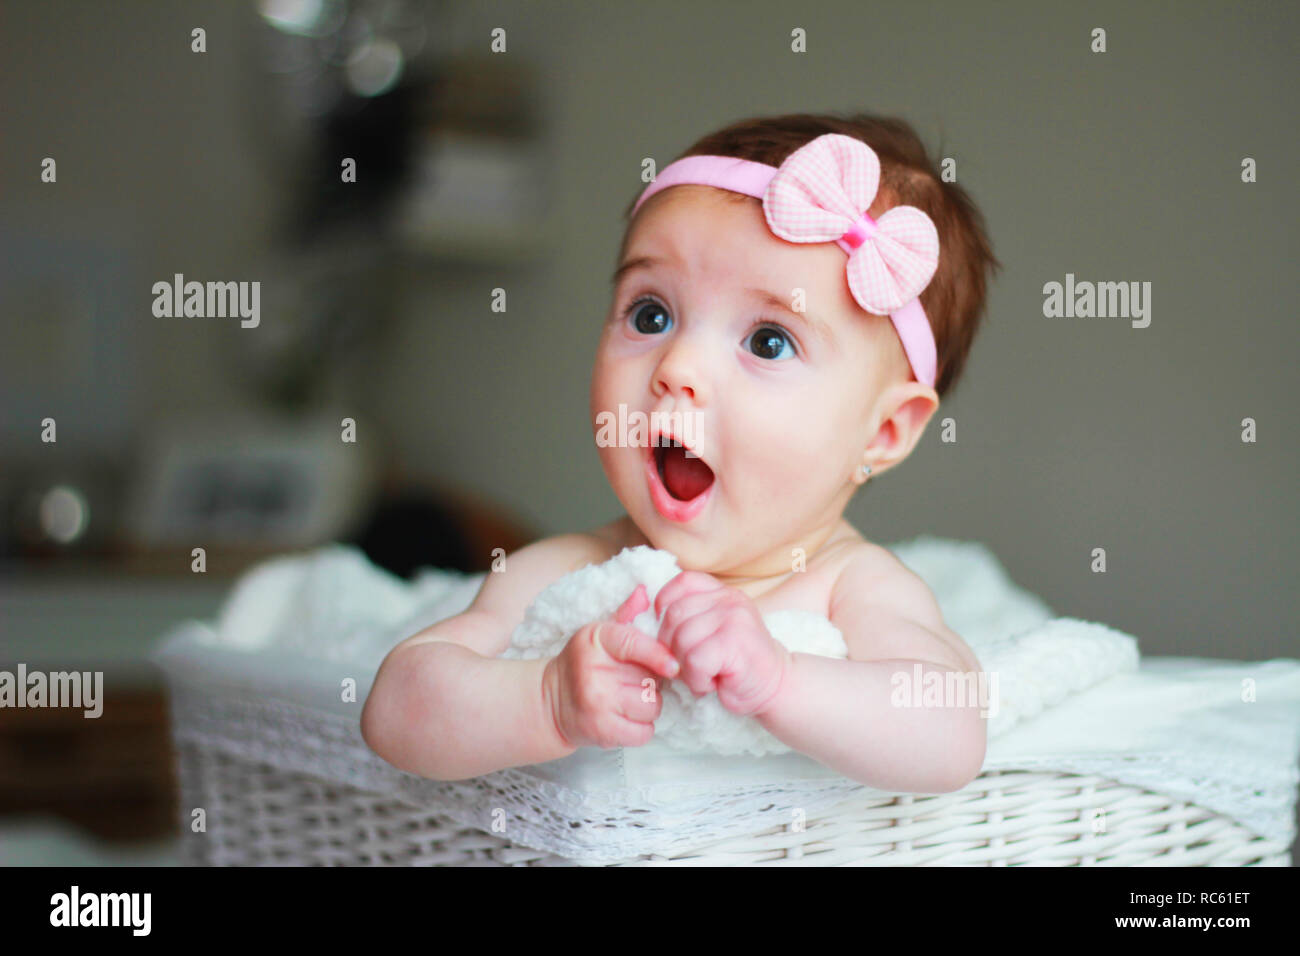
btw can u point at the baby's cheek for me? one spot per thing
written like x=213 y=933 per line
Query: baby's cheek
x=604 y=400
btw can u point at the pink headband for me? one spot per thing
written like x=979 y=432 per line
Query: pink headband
x=821 y=193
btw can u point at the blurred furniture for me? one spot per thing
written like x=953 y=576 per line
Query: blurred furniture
x=111 y=774
x=114 y=775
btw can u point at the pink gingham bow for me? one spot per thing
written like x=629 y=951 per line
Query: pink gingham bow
x=822 y=192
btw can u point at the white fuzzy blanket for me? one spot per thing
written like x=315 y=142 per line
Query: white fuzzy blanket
x=334 y=604
x=1029 y=670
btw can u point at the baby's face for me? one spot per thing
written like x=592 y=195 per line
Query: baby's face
x=782 y=414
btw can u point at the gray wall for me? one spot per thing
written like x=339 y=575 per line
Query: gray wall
x=1072 y=434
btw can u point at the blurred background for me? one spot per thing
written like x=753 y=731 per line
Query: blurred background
x=478 y=170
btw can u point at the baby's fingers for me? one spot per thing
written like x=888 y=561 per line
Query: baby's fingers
x=686 y=583
x=634 y=605
x=628 y=733
x=624 y=642
x=641 y=703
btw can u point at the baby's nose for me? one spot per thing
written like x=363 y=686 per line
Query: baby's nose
x=679 y=373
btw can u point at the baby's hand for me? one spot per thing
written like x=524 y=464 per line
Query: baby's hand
x=595 y=686
x=719 y=638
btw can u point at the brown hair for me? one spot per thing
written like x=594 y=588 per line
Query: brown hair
x=954 y=301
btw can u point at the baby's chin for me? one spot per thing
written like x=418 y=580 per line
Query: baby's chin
x=692 y=553
x=679 y=545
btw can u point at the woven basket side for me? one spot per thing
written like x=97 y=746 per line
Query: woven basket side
x=260 y=815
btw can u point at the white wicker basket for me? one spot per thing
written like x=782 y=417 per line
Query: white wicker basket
x=261 y=815
x=281 y=782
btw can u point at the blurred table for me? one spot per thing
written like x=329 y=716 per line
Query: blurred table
x=112 y=774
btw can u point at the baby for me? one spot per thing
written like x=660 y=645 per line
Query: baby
x=792 y=299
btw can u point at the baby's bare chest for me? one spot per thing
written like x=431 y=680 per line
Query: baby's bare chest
x=809 y=590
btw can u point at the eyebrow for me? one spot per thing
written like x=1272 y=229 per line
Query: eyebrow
x=640 y=262
x=769 y=299
x=774 y=301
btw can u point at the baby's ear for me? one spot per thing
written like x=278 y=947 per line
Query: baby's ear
x=918 y=410
x=900 y=432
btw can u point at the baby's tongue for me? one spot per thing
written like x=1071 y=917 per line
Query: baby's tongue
x=685 y=477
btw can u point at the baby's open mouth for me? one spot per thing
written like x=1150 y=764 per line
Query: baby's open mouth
x=684 y=478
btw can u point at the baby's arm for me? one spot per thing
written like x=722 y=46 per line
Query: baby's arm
x=843 y=713
x=443 y=705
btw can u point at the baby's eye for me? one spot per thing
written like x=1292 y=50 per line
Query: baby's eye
x=649 y=317
x=771 y=343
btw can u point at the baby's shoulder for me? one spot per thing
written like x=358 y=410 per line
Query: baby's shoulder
x=863 y=568
x=549 y=559
x=518 y=577
x=874 y=583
